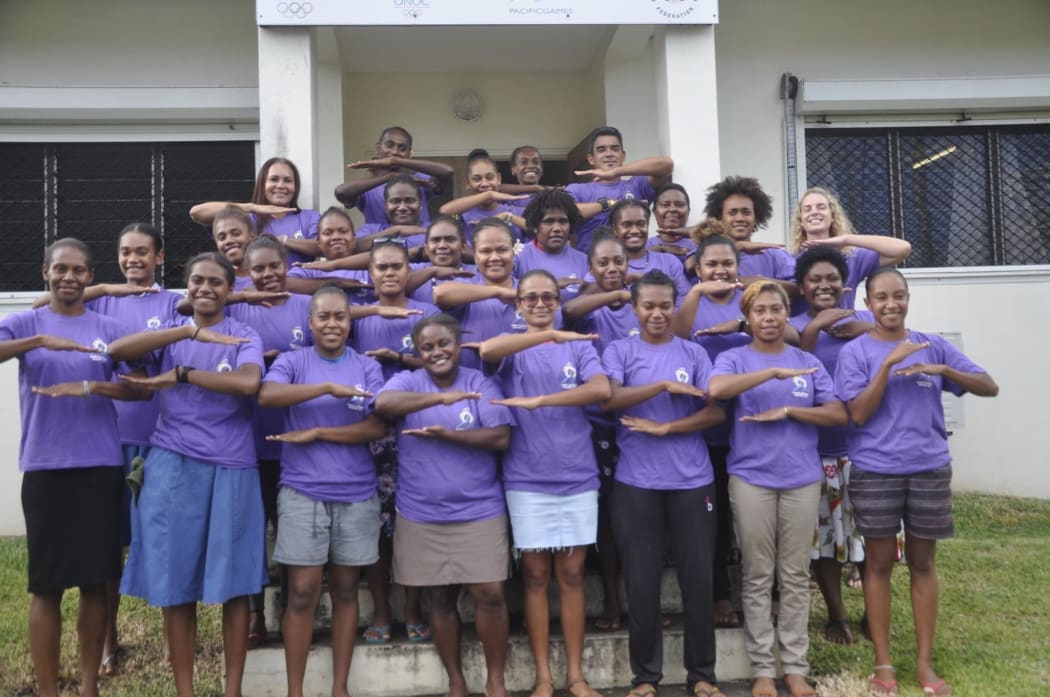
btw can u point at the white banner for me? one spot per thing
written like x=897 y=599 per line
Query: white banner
x=483 y=12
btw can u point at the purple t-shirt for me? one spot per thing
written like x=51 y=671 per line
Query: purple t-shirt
x=589 y=192
x=569 y=263
x=284 y=327
x=860 y=263
x=668 y=263
x=322 y=470
x=242 y=283
x=485 y=319
x=708 y=314
x=439 y=481
x=776 y=454
x=610 y=324
x=361 y=296
x=376 y=229
x=472 y=216
x=425 y=293
x=550 y=449
x=375 y=332
x=373 y=205
x=65 y=432
x=769 y=263
x=136 y=420
x=685 y=243
x=831 y=440
x=677 y=461
x=199 y=423
x=906 y=434
x=297 y=226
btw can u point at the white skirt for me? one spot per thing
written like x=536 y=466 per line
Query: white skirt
x=549 y=522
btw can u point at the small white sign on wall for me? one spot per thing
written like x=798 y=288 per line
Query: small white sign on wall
x=953 y=406
x=483 y=12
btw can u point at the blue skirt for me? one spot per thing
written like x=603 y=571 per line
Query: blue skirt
x=198 y=533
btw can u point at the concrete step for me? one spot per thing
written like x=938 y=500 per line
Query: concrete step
x=670 y=601
x=400 y=668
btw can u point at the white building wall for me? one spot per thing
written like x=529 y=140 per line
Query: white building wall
x=551 y=110
x=191 y=43
x=757 y=41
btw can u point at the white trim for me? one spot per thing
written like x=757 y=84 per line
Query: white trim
x=23 y=103
x=956 y=275
x=127 y=133
x=934 y=94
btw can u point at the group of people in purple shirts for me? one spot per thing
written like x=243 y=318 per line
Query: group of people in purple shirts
x=532 y=371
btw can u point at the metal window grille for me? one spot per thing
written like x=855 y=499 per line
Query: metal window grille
x=962 y=196
x=92 y=190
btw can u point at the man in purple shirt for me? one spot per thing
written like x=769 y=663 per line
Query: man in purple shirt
x=604 y=183
x=393 y=157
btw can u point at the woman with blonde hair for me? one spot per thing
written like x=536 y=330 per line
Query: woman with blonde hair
x=820 y=219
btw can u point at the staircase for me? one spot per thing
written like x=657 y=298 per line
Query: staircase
x=401 y=668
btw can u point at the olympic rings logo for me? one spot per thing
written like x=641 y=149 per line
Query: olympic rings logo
x=295 y=9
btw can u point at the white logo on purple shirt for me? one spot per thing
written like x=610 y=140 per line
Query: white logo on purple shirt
x=101 y=349
x=406 y=343
x=518 y=324
x=801 y=386
x=682 y=376
x=634 y=332
x=569 y=380
x=224 y=366
x=923 y=380
x=297 y=337
x=466 y=419
x=357 y=403
x=298 y=235
x=628 y=195
x=153 y=323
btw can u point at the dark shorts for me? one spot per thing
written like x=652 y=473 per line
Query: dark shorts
x=923 y=501
x=72 y=527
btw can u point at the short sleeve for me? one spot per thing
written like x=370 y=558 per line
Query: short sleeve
x=308 y=221
x=726 y=364
x=16 y=326
x=823 y=385
x=613 y=361
x=251 y=353
x=851 y=375
x=490 y=414
x=399 y=382
x=783 y=265
x=642 y=188
x=954 y=359
x=281 y=370
x=702 y=368
x=587 y=361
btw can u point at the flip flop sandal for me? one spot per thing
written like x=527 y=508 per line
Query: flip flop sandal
x=377 y=634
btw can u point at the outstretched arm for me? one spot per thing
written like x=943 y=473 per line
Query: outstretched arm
x=499 y=347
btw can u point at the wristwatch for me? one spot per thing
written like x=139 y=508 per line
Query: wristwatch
x=604 y=203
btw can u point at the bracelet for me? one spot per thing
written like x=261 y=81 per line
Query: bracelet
x=87 y=388
x=604 y=204
x=741 y=325
x=193 y=336
x=182 y=373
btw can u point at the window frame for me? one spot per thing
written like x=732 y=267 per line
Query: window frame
x=885 y=121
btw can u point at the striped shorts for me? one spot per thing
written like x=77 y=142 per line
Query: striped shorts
x=922 y=500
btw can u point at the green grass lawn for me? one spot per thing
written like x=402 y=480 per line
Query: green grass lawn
x=992 y=634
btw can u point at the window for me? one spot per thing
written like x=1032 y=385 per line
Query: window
x=92 y=190
x=962 y=196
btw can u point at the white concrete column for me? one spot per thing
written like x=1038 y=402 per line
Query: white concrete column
x=687 y=105
x=287 y=102
x=331 y=165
